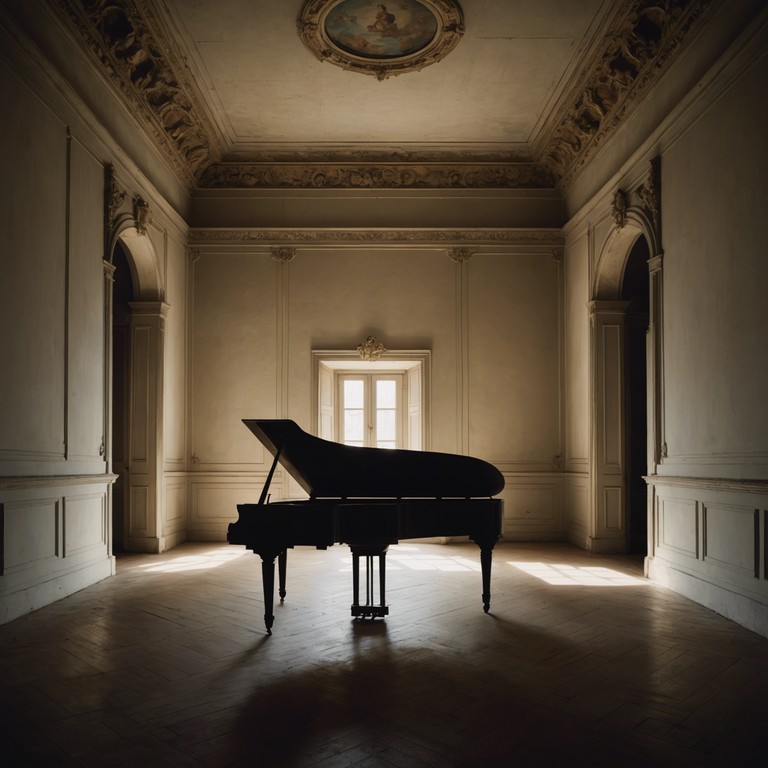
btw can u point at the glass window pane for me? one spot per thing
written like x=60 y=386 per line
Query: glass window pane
x=386 y=393
x=385 y=444
x=354 y=425
x=354 y=393
x=386 y=426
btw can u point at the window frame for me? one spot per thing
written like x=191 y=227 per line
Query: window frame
x=414 y=365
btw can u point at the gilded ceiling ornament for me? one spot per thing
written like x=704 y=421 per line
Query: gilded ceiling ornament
x=381 y=39
x=371 y=349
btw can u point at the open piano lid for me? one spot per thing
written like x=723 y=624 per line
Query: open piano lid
x=331 y=470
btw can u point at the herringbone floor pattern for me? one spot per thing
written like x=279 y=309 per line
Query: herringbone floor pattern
x=580 y=663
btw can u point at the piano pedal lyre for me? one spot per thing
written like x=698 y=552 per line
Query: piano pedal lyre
x=369 y=609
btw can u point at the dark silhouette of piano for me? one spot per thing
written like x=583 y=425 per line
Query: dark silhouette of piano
x=367 y=498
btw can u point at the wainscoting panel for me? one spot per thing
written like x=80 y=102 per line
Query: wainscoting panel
x=214 y=499
x=55 y=539
x=710 y=544
x=533 y=509
x=85 y=524
x=731 y=538
x=677 y=526
x=31 y=534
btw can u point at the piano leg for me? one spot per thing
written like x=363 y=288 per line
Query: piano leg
x=486 y=545
x=281 y=568
x=268 y=580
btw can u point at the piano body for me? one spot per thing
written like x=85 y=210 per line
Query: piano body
x=367 y=498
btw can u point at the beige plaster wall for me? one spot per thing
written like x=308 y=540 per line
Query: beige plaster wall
x=54 y=502
x=491 y=323
x=715 y=277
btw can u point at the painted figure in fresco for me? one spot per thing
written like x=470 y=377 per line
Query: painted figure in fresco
x=385 y=23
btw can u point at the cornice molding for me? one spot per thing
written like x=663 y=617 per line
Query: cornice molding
x=548 y=238
x=128 y=41
x=363 y=175
x=641 y=42
x=125 y=37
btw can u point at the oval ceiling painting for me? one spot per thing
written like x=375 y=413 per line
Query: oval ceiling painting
x=381 y=39
x=376 y=30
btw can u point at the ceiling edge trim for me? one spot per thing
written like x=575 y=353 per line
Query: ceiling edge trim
x=413 y=175
x=545 y=238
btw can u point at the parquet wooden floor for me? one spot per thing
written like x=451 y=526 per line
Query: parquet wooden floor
x=581 y=662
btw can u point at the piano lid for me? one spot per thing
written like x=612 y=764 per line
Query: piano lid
x=332 y=470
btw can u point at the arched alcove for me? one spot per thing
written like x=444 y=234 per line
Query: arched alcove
x=619 y=313
x=138 y=389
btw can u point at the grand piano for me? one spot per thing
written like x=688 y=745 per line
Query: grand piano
x=367 y=498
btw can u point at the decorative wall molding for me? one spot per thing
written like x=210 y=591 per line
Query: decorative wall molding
x=371 y=349
x=505 y=237
x=363 y=174
x=283 y=254
x=619 y=208
x=142 y=215
x=460 y=255
x=709 y=483
x=318 y=37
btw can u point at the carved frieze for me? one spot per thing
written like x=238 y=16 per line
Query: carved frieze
x=641 y=42
x=125 y=39
x=511 y=237
x=362 y=175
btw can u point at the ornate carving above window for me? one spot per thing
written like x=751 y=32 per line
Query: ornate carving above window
x=381 y=39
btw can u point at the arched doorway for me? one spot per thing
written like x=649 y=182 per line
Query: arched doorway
x=620 y=441
x=138 y=331
x=635 y=290
x=122 y=295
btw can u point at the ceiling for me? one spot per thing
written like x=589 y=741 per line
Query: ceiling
x=265 y=90
x=234 y=98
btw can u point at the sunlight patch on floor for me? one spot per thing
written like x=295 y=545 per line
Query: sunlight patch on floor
x=572 y=575
x=199 y=562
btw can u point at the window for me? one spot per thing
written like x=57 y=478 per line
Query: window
x=380 y=404
x=370 y=411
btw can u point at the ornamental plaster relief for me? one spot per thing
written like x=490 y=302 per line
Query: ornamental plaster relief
x=127 y=40
x=426 y=237
x=640 y=44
